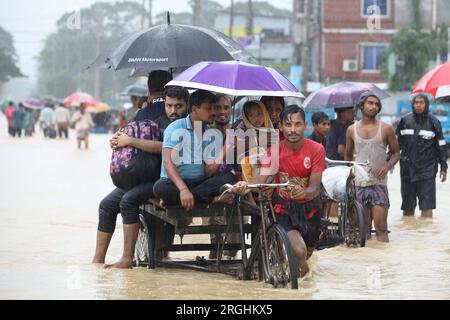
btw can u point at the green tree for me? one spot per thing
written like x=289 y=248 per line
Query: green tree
x=8 y=58
x=175 y=18
x=208 y=13
x=413 y=49
x=260 y=7
x=67 y=52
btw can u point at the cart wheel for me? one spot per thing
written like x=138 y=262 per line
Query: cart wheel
x=281 y=266
x=144 y=245
x=355 y=226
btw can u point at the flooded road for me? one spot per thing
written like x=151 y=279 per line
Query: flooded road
x=50 y=193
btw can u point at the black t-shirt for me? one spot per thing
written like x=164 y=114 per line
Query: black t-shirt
x=162 y=122
x=315 y=138
x=156 y=109
x=337 y=136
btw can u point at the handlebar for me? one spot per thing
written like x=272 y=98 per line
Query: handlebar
x=227 y=187
x=365 y=163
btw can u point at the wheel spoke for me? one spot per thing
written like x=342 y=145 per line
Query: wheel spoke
x=278 y=268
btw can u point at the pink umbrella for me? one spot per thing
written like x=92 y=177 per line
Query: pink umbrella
x=77 y=98
x=435 y=81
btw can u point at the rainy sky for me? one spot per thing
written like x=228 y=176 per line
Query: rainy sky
x=30 y=22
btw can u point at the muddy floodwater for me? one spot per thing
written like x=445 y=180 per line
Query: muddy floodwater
x=50 y=193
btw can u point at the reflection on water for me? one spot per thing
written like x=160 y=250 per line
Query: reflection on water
x=50 y=194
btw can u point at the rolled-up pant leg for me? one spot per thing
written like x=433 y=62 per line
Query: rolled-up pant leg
x=108 y=210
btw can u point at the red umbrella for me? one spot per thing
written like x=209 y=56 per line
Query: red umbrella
x=434 y=80
x=77 y=98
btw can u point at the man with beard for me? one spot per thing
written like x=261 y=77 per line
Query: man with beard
x=301 y=162
x=222 y=110
x=368 y=140
x=423 y=148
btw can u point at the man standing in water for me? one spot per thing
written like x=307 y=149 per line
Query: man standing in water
x=422 y=148
x=368 y=139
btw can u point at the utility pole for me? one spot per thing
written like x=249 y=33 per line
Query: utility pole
x=196 y=12
x=250 y=19
x=296 y=29
x=305 y=46
x=434 y=18
x=143 y=15
x=150 y=12
x=230 y=32
x=434 y=27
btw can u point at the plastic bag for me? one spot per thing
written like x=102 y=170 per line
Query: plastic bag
x=334 y=180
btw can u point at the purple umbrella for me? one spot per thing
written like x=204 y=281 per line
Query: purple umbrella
x=341 y=95
x=34 y=104
x=236 y=78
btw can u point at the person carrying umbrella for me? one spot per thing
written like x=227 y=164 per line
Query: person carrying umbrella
x=423 y=147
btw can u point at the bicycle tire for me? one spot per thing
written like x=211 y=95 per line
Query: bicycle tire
x=143 y=249
x=282 y=266
x=355 y=226
x=359 y=209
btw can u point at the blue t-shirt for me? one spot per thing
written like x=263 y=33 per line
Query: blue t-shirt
x=189 y=151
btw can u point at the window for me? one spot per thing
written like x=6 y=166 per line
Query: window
x=372 y=57
x=381 y=4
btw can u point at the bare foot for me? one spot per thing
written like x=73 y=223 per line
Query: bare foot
x=304 y=272
x=121 y=264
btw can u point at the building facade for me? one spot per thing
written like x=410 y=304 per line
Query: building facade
x=353 y=36
x=270 y=41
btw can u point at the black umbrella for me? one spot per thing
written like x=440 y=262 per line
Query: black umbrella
x=170 y=46
x=136 y=89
